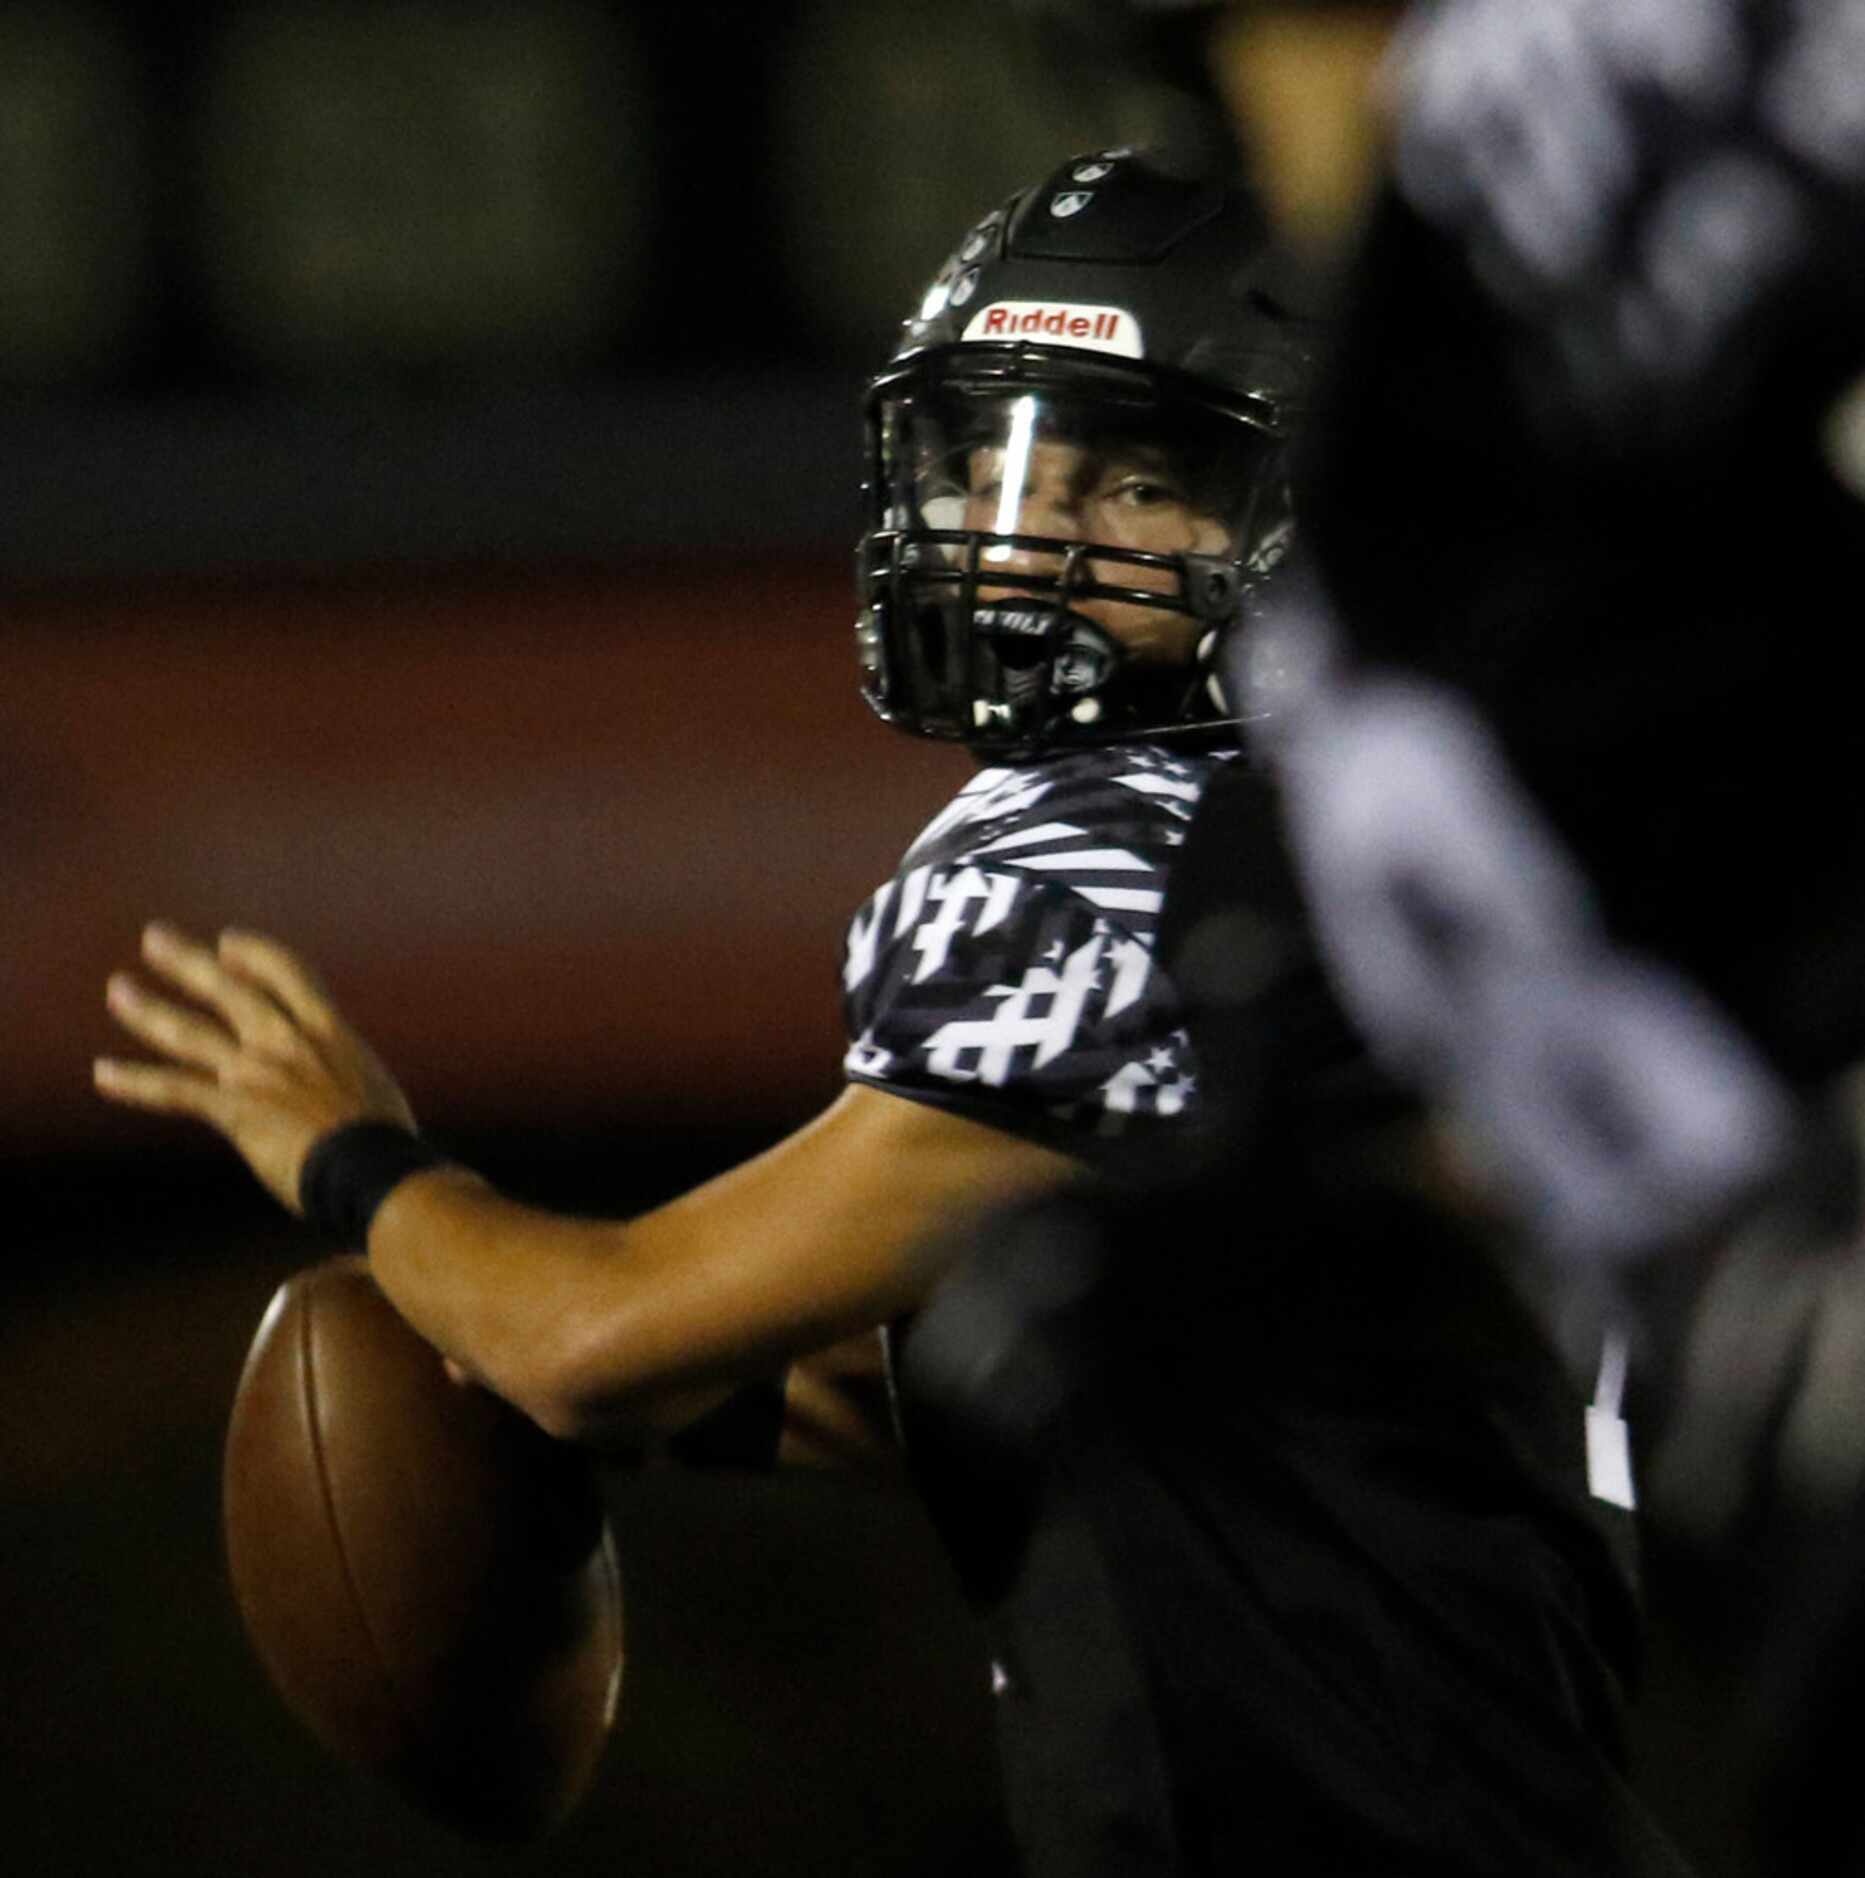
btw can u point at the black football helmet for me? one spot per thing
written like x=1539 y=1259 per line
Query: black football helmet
x=1076 y=476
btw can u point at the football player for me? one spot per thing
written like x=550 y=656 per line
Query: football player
x=1075 y=486
x=1300 y=1543
x=1297 y=1542
x=1274 y=1501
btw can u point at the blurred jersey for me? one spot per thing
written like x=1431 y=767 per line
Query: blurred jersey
x=1589 y=450
x=1583 y=513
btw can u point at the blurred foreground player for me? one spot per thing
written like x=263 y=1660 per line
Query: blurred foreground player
x=1076 y=487
x=1568 y=736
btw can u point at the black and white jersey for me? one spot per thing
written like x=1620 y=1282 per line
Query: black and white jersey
x=1007 y=971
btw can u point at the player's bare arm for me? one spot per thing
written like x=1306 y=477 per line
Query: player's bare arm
x=589 y=1326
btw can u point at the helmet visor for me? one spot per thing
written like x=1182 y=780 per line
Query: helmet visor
x=1036 y=466
x=1050 y=560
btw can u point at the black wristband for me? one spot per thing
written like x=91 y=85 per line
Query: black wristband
x=350 y=1172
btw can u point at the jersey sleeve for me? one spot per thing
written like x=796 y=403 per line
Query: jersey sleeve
x=1023 y=993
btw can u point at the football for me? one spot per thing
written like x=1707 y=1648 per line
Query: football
x=429 y=1580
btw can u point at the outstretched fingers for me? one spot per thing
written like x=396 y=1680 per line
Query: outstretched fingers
x=253 y=1016
x=281 y=973
x=251 y=1047
x=177 y=1031
x=160 y=1088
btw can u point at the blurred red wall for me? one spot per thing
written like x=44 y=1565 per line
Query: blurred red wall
x=568 y=847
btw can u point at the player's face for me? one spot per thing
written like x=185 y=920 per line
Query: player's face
x=1123 y=494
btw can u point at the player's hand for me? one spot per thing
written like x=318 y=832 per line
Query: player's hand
x=259 y=1052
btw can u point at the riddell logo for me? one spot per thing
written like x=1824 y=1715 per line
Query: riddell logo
x=1096 y=328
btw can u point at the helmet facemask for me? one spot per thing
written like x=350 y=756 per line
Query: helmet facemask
x=1054 y=546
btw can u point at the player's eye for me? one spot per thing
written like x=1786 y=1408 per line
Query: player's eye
x=1143 y=492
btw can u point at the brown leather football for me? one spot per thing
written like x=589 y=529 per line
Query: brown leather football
x=429 y=1580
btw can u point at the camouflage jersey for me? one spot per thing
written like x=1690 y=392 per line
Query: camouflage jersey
x=1006 y=972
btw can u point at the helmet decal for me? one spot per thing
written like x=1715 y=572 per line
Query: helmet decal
x=973 y=246
x=1096 y=328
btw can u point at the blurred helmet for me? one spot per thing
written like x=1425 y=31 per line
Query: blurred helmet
x=1076 y=477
